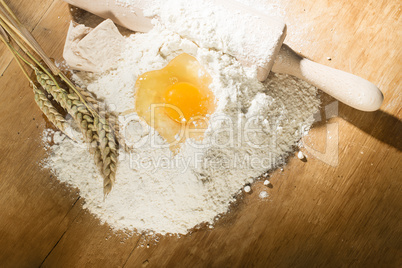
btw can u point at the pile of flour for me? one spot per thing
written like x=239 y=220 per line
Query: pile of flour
x=254 y=127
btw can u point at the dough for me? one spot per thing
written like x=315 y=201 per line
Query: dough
x=93 y=50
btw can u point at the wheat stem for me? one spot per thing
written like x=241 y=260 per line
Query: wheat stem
x=10 y=11
x=13 y=52
x=9 y=18
x=4 y=35
x=26 y=51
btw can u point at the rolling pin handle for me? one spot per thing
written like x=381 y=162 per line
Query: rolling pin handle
x=347 y=88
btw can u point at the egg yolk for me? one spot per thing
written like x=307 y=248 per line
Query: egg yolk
x=188 y=100
x=175 y=97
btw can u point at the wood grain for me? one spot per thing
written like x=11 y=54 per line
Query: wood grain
x=317 y=215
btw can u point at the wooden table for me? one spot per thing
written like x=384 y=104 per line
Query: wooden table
x=318 y=215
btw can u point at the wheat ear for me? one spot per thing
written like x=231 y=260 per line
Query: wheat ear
x=95 y=129
x=76 y=109
x=48 y=109
x=107 y=141
x=110 y=117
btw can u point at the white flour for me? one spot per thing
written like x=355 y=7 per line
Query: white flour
x=254 y=126
x=222 y=25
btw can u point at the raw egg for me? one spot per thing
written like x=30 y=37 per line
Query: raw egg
x=176 y=100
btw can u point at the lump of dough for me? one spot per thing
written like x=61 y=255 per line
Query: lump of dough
x=70 y=53
x=94 y=50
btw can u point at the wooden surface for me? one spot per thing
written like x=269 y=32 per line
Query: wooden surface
x=317 y=215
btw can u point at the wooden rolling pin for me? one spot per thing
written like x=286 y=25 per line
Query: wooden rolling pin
x=347 y=88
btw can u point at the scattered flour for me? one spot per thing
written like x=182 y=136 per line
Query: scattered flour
x=263 y=194
x=300 y=155
x=254 y=127
x=247 y=188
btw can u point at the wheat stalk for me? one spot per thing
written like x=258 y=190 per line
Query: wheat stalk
x=82 y=106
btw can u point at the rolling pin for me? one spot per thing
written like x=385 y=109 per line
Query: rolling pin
x=347 y=88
